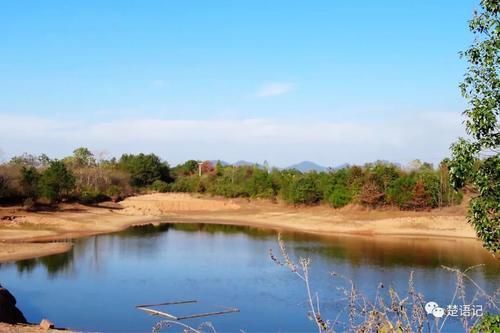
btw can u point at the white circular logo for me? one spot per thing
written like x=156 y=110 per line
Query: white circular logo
x=430 y=306
x=438 y=312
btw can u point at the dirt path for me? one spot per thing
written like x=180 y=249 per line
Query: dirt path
x=20 y=229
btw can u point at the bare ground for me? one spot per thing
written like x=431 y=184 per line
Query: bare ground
x=20 y=229
x=19 y=328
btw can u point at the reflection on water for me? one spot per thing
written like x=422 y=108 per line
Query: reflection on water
x=411 y=252
x=53 y=264
x=358 y=250
x=255 y=233
x=147 y=230
x=61 y=263
x=26 y=265
x=226 y=265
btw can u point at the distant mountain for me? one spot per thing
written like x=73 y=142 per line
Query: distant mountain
x=307 y=166
x=237 y=164
x=245 y=163
x=214 y=162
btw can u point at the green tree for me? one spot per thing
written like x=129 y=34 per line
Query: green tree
x=144 y=169
x=186 y=184
x=29 y=181
x=382 y=174
x=5 y=190
x=476 y=160
x=187 y=169
x=304 y=190
x=56 y=181
x=160 y=186
x=400 y=192
x=82 y=157
x=260 y=184
x=340 y=196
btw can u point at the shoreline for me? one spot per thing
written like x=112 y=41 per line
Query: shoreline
x=28 y=234
x=432 y=235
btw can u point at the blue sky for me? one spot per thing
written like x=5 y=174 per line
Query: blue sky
x=283 y=81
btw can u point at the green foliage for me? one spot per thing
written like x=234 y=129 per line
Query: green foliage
x=261 y=184
x=400 y=191
x=374 y=185
x=224 y=186
x=144 y=169
x=56 y=181
x=186 y=184
x=5 y=190
x=489 y=323
x=82 y=157
x=335 y=187
x=475 y=160
x=340 y=196
x=87 y=180
x=29 y=181
x=160 y=186
x=382 y=174
x=189 y=168
x=355 y=179
x=430 y=182
x=304 y=190
x=114 y=191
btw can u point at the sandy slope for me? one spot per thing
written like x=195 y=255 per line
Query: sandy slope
x=73 y=220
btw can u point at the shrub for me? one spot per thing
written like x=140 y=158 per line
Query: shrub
x=304 y=191
x=56 y=181
x=10 y=187
x=189 y=168
x=144 y=169
x=186 y=184
x=29 y=181
x=160 y=186
x=92 y=197
x=400 y=191
x=489 y=323
x=371 y=195
x=113 y=190
x=420 y=198
x=432 y=186
x=339 y=197
x=261 y=184
x=5 y=190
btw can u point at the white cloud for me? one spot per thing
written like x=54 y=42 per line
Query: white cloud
x=274 y=89
x=426 y=136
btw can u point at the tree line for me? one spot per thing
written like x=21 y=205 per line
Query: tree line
x=83 y=177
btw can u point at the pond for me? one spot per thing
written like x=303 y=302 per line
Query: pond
x=96 y=285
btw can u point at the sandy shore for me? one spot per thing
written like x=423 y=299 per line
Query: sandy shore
x=6 y=328
x=19 y=230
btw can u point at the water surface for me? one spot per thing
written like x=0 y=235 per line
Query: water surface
x=96 y=285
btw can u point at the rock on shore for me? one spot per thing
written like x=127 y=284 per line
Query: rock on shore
x=9 y=313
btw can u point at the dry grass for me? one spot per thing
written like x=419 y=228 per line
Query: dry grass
x=390 y=311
